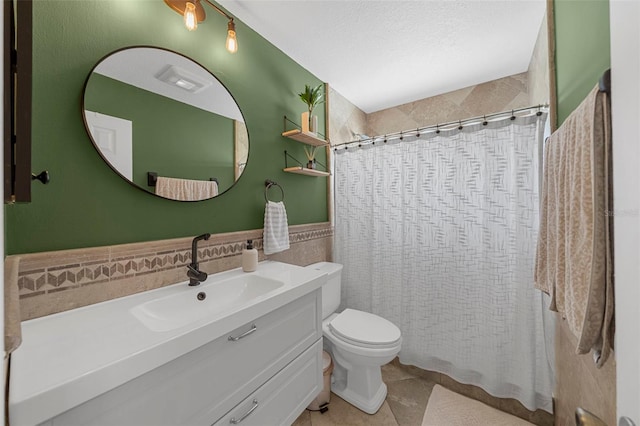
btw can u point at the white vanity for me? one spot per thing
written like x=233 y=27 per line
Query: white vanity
x=238 y=349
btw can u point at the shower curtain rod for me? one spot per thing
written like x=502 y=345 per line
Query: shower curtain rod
x=443 y=126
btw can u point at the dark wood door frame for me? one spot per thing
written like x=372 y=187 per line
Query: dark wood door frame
x=17 y=43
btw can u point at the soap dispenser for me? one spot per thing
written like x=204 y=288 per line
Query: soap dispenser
x=249 y=258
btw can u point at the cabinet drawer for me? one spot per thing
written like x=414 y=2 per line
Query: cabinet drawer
x=281 y=400
x=203 y=385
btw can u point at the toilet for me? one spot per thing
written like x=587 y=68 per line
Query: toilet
x=359 y=343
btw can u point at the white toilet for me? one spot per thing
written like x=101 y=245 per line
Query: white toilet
x=359 y=342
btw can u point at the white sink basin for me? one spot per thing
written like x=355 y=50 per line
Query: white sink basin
x=183 y=308
x=108 y=344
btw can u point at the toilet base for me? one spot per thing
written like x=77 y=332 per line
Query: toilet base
x=369 y=406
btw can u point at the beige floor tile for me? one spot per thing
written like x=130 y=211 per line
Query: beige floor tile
x=541 y=418
x=304 y=419
x=342 y=413
x=408 y=400
x=408 y=391
x=431 y=376
x=393 y=372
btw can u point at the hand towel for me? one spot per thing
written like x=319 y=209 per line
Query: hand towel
x=186 y=189
x=276 y=229
x=12 y=329
x=574 y=253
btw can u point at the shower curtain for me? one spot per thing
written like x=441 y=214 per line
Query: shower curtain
x=437 y=233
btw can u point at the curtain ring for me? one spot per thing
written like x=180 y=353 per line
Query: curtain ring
x=485 y=122
x=513 y=117
x=437 y=129
x=460 y=124
x=417 y=132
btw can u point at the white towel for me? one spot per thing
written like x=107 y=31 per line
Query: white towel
x=276 y=229
x=186 y=189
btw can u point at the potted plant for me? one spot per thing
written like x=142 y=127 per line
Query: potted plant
x=312 y=97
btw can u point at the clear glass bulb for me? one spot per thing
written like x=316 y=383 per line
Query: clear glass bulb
x=190 y=19
x=232 y=42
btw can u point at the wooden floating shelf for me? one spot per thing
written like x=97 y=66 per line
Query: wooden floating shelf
x=305 y=171
x=305 y=137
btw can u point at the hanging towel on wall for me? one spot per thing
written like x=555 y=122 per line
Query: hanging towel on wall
x=574 y=252
x=12 y=329
x=276 y=229
x=186 y=189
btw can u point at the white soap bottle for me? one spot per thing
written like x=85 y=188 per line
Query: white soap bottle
x=249 y=258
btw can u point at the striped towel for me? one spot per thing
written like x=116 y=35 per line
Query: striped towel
x=276 y=229
x=186 y=189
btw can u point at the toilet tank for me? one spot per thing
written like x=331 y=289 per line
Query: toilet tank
x=331 y=290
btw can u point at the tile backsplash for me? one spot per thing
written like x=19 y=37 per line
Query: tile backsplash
x=56 y=281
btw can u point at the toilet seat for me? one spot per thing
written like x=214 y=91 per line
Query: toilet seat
x=365 y=330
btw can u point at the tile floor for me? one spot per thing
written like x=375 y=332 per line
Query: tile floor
x=408 y=390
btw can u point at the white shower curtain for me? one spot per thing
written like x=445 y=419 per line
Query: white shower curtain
x=437 y=234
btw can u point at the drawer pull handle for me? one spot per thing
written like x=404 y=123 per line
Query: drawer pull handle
x=233 y=420
x=245 y=334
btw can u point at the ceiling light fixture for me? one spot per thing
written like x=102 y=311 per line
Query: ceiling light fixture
x=193 y=12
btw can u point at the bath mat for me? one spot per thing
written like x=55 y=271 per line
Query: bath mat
x=446 y=408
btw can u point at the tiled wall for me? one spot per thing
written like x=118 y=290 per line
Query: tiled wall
x=494 y=96
x=51 y=282
x=345 y=119
x=579 y=383
x=538 y=73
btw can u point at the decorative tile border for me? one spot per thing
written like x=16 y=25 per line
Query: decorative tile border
x=50 y=272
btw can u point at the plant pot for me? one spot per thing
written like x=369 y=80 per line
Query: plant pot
x=308 y=125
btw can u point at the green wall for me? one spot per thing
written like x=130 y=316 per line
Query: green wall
x=582 y=50
x=170 y=138
x=86 y=203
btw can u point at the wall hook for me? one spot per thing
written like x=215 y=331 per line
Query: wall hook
x=42 y=177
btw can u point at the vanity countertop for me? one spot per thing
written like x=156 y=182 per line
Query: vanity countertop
x=71 y=357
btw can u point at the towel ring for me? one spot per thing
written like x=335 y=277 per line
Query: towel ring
x=268 y=184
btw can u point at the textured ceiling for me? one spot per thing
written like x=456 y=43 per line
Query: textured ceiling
x=380 y=54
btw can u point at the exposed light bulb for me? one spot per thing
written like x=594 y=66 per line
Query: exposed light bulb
x=190 y=19
x=232 y=42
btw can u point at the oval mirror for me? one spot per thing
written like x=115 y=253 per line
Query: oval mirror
x=165 y=124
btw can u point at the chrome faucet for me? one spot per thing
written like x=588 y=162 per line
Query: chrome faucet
x=196 y=276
